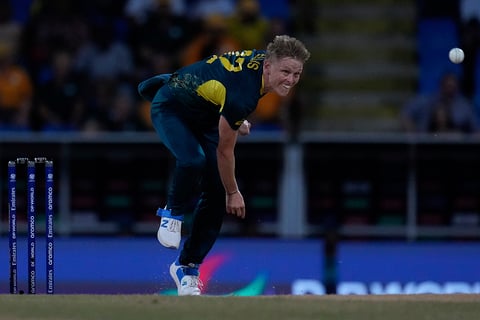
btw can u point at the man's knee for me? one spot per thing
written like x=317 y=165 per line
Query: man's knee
x=194 y=164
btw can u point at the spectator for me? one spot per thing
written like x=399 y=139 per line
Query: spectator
x=16 y=91
x=248 y=26
x=120 y=115
x=52 y=24
x=98 y=105
x=447 y=111
x=201 y=9
x=105 y=58
x=112 y=108
x=104 y=64
x=214 y=39
x=138 y=10
x=10 y=30
x=163 y=33
x=59 y=104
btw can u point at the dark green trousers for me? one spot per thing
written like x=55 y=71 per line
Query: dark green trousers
x=195 y=175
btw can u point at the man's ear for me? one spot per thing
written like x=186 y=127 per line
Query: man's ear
x=266 y=66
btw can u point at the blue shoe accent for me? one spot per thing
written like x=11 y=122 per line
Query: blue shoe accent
x=167 y=213
x=186 y=278
x=189 y=270
x=169 y=233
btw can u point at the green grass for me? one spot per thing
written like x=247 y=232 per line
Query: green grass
x=331 y=307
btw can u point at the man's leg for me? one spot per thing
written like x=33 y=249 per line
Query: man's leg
x=189 y=167
x=210 y=210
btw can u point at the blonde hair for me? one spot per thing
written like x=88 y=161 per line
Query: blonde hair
x=284 y=46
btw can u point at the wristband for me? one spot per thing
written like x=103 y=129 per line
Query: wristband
x=230 y=193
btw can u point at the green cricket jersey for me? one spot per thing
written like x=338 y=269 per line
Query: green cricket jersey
x=228 y=85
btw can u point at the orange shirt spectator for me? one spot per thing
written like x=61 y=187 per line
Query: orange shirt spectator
x=16 y=92
x=214 y=39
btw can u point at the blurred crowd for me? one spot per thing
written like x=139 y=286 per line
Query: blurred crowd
x=454 y=106
x=75 y=65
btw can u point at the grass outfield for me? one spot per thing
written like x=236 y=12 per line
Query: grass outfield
x=331 y=307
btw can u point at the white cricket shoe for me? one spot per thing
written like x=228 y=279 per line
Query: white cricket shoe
x=186 y=278
x=170 y=230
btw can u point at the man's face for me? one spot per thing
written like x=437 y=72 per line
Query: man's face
x=280 y=75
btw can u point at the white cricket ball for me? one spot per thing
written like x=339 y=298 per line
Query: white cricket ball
x=456 y=55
